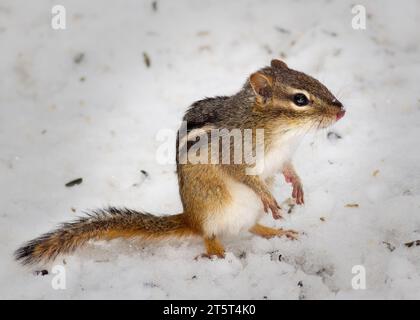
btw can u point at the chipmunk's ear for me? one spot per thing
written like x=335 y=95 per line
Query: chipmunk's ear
x=278 y=64
x=262 y=85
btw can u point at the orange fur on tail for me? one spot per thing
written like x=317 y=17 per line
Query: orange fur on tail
x=102 y=224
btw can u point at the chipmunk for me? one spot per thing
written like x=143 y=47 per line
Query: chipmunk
x=218 y=198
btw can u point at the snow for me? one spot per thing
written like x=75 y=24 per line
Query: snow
x=98 y=119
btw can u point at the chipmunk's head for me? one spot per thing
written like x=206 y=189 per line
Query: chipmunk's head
x=298 y=98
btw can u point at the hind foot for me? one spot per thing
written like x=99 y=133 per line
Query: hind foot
x=267 y=232
x=213 y=248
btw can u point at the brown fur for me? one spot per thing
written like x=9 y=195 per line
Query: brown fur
x=267 y=232
x=214 y=248
x=103 y=224
x=264 y=102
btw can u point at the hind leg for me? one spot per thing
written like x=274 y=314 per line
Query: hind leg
x=214 y=247
x=267 y=232
x=203 y=204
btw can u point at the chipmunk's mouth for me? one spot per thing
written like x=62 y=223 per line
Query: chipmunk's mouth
x=340 y=114
x=326 y=121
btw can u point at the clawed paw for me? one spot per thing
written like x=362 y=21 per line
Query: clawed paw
x=290 y=234
x=291 y=177
x=271 y=204
x=297 y=192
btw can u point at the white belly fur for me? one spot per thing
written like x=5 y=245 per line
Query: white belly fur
x=281 y=151
x=239 y=215
x=246 y=207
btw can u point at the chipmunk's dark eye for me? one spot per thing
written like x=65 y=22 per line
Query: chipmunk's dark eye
x=300 y=99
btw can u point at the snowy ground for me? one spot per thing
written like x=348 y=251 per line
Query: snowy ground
x=98 y=119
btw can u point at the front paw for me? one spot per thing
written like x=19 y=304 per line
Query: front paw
x=297 y=192
x=271 y=204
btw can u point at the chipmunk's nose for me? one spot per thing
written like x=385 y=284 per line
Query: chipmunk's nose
x=341 y=112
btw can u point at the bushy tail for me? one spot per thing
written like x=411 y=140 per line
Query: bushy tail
x=102 y=224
